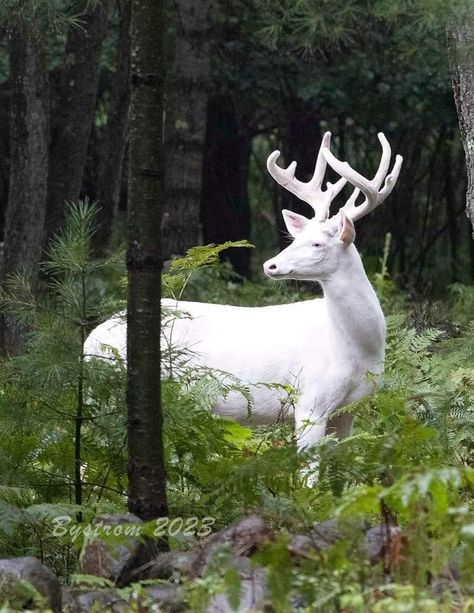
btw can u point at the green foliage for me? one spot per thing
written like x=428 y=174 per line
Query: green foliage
x=50 y=15
x=409 y=460
x=410 y=457
x=50 y=391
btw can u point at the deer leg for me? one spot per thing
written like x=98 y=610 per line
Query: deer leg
x=340 y=425
x=311 y=423
x=309 y=430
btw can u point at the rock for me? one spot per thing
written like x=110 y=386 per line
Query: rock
x=324 y=535
x=169 y=599
x=112 y=558
x=384 y=543
x=253 y=589
x=17 y=575
x=377 y=543
x=303 y=545
x=173 y=564
x=243 y=538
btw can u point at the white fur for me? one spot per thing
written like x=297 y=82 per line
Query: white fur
x=327 y=348
x=324 y=347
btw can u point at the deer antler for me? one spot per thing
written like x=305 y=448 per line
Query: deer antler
x=370 y=188
x=310 y=192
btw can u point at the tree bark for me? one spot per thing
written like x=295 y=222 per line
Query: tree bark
x=451 y=212
x=225 y=211
x=302 y=142
x=460 y=37
x=5 y=96
x=185 y=126
x=112 y=146
x=73 y=112
x=29 y=139
x=146 y=471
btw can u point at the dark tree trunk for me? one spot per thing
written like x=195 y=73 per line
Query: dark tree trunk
x=400 y=211
x=146 y=471
x=29 y=130
x=112 y=145
x=225 y=211
x=302 y=141
x=461 y=52
x=73 y=112
x=451 y=212
x=185 y=126
x=5 y=95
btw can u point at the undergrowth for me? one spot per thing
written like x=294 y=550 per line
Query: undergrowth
x=409 y=461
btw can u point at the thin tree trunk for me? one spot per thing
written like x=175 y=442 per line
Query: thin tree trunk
x=225 y=211
x=303 y=139
x=461 y=52
x=185 y=126
x=73 y=112
x=113 y=144
x=29 y=134
x=5 y=96
x=146 y=470
x=450 y=199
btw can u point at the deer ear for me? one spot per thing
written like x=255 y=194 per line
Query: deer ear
x=294 y=223
x=347 y=229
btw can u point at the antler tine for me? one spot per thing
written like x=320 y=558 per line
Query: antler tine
x=350 y=205
x=310 y=192
x=370 y=188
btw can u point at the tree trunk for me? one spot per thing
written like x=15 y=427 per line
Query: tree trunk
x=225 y=202
x=146 y=471
x=451 y=212
x=112 y=146
x=302 y=142
x=73 y=112
x=185 y=126
x=29 y=136
x=5 y=96
x=461 y=52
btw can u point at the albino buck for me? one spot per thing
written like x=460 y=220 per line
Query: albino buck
x=326 y=348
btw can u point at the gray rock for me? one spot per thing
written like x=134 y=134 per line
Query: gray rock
x=17 y=575
x=323 y=536
x=381 y=541
x=253 y=589
x=173 y=564
x=373 y=543
x=243 y=538
x=112 y=558
x=169 y=598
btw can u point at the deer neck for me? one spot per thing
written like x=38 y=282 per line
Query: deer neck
x=356 y=319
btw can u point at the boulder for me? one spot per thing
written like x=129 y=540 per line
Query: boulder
x=168 y=598
x=253 y=589
x=384 y=543
x=117 y=548
x=381 y=542
x=173 y=564
x=26 y=583
x=242 y=538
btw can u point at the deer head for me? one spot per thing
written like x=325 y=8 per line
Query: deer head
x=321 y=243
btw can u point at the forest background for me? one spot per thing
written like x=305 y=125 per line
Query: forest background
x=242 y=78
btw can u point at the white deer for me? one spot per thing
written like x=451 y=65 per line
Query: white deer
x=326 y=348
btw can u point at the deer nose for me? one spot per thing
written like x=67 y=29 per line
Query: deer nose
x=270 y=268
